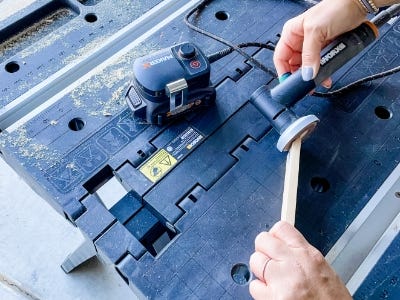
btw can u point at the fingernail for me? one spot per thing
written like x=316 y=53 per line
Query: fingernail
x=307 y=73
x=284 y=76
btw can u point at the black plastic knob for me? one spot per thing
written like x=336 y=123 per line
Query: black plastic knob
x=187 y=51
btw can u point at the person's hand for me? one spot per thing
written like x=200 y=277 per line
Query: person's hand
x=288 y=267
x=304 y=36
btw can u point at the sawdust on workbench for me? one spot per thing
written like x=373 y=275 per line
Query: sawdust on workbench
x=115 y=79
x=35 y=29
x=85 y=50
x=50 y=39
x=26 y=148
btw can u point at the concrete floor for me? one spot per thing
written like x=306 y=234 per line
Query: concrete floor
x=9 y=7
x=34 y=240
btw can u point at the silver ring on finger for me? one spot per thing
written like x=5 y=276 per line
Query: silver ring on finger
x=265 y=267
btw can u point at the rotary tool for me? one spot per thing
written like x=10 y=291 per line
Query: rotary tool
x=275 y=103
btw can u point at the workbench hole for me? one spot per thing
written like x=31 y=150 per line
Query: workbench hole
x=397 y=194
x=222 y=15
x=12 y=67
x=76 y=124
x=91 y=18
x=320 y=185
x=383 y=112
x=240 y=274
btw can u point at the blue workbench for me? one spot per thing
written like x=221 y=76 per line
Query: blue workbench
x=189 y=232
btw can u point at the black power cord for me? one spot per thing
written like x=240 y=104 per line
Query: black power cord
x=236 y=48
x=356 y=83
x=224 y=52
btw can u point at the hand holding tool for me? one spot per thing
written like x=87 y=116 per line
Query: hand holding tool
x=275 y=103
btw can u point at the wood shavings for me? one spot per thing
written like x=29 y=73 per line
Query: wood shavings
x=52 y=37
x=40 y=28
x=38 y=154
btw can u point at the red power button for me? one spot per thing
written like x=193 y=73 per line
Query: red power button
x=195 y=64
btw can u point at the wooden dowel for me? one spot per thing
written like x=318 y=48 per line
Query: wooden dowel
x=288 y=213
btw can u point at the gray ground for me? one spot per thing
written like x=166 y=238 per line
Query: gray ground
x=34 y=240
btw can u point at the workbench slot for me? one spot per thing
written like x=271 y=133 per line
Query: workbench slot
x=34 y=26
x=191 y=198
x=89 y=2
x=243 y=147
x=97 y=180
x=239 y=72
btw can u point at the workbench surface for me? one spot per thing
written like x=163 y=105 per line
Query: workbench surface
x=188 y=232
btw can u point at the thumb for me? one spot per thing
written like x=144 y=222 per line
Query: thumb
x=312 y=46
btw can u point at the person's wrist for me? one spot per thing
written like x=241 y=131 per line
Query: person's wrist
x=381 y=3
x=372 y=6
x=360 y=7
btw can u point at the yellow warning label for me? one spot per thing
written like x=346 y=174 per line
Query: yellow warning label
x=158 y=165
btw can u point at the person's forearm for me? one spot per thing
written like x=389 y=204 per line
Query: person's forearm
x=372 y=6
x=381 y=3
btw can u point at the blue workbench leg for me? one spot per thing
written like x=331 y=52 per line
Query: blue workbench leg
x=83 y=253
